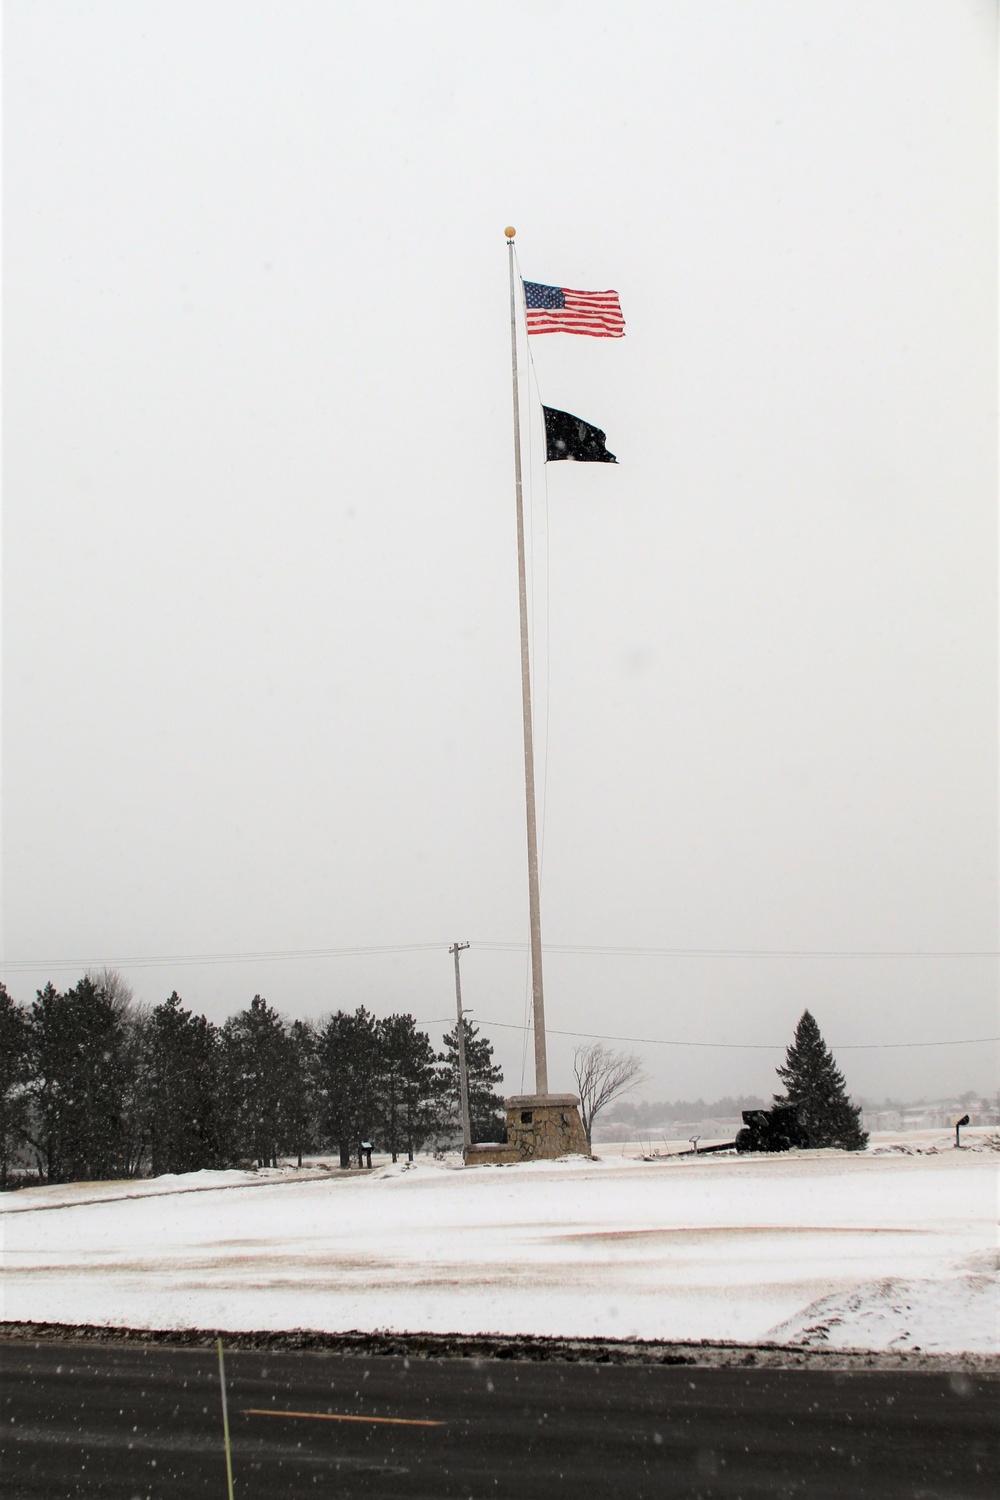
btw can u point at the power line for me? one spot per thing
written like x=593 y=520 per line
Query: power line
x=288 y=954
x=660 y=1041
x=152 y=961
x=161 y=959
x=623 y=952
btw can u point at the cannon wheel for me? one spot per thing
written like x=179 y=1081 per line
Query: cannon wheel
x=744 y=1141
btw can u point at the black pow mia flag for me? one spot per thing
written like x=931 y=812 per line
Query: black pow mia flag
x=567 y=437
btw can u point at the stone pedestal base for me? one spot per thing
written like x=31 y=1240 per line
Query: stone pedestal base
x=540 y=1127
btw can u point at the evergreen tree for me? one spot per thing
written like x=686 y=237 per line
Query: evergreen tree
x=77 y=1084
x=259 y=1066
x=186 y=1128
x=14 y=1061
x=348 y=1069
x=45 y=1090
x=298 y=1093
x=487 y=1114
x=813 y=1081
x=408 y=1085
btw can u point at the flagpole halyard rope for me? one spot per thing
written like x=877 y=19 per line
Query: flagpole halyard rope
x=528 y=991
x=540 y=690
x=538 y=1005
x=526 y=1025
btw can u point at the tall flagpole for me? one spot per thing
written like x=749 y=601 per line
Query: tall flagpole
x=538 y=1005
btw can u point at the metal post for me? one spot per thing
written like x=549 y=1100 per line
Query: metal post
x=463 y=1069
x=538 y=1006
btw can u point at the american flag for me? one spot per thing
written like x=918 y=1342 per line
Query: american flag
x=557 y=309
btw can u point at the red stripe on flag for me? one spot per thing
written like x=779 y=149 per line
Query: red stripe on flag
x=589 y=328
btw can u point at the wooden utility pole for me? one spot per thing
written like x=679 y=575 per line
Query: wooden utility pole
x=535 y=921
x=463 y=1070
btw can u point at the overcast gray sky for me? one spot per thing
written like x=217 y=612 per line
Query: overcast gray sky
x=260 y=616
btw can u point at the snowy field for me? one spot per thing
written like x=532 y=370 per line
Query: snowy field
x=895 y=1248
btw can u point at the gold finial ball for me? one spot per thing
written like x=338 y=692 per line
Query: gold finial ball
x=510 y=231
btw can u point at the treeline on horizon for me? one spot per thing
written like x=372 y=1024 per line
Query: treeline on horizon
x=647 y=1114
x=94 y=1085
x=644 y=1113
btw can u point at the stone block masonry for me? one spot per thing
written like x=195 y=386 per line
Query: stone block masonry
x=540 y=1127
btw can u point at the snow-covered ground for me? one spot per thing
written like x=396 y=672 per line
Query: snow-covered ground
x=881 y=1250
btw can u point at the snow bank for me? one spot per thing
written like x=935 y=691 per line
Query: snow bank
x=957 y=1313
x=876 y=1252
x=66 y=1194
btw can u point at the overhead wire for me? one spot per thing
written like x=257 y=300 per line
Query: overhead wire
x=660 y=1041
x=606 y=950
x=620 y=951
x=146 y=961
x=153 y=960
x=392 y=948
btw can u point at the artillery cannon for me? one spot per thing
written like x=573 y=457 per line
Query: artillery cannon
x=774 y=1129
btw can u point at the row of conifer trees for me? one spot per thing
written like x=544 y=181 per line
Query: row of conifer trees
x=94 y=1086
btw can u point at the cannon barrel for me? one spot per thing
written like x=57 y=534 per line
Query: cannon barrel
x=706 y=1150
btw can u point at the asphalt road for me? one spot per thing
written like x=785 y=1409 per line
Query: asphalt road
x=128 y=1421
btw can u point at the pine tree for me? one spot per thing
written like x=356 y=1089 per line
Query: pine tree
x=348 y=1068
x=77 y=1084
x=487 y=1114
x=408 y=1076
x=259 y=1065
x=298 y=1094
x=186 y=1129
x=813 y=1081
x=14 y=1045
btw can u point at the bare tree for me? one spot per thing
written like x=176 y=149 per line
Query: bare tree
x=112 y=982
x=602 y=1075
x=136 y=1103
